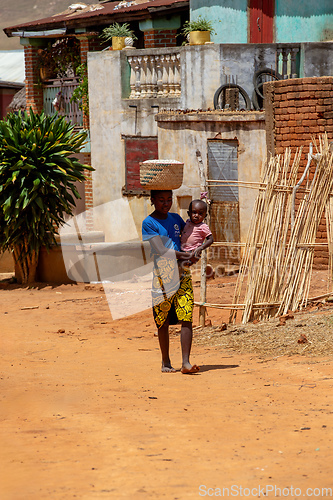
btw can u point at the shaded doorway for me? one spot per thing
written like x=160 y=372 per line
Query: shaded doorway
x=224 y=213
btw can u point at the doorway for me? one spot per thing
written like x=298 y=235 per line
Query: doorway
x=261 y=21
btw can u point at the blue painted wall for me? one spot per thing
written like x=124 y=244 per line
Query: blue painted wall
x=303 y=21
x=229 y=18
x=295 y=20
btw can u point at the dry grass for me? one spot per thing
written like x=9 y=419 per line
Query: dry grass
x=270 y=339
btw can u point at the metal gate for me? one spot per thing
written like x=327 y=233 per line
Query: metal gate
x=224 y=220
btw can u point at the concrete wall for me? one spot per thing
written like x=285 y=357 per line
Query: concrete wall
x=205 y=68
x=112 y=117
x=208 y=67
x=307 y=21
x=180 y=136
x=316 y=59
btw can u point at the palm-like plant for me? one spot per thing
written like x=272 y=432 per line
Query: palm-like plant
x=38 y=171
x=117 y=29
x=199 y=24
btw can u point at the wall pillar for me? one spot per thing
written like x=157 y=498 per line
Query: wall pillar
x=33 y=87
x=88 y=44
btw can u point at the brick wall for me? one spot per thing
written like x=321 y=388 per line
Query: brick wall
x=88 y=45
x=33 y=89
x=297 y=110
x=160 y=38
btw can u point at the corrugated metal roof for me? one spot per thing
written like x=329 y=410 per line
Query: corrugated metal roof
x=94 y=12
x=12 y=66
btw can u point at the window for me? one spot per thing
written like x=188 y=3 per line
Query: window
x=137 y=149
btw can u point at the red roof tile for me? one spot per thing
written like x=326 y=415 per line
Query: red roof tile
x=94 y=14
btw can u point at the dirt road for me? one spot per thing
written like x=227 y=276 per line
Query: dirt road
x=87 y=414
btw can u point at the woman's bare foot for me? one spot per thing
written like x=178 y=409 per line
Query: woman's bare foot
x=188 y=368
x=167 y=368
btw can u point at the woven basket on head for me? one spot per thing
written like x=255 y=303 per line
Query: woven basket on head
x=161 y=174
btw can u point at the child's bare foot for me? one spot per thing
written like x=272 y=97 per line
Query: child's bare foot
x=167 y=368
x=188 y=368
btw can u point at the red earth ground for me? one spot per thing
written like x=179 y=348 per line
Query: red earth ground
x=86 y=412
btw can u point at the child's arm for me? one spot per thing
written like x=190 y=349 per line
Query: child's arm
x=208 y=241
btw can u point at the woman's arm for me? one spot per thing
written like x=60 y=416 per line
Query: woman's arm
x=157 y=245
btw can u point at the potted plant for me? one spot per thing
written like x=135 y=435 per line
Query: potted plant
x=59 y=59
x=198 y=31
x=118 y=33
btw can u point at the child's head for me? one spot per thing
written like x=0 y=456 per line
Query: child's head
x=197 y=211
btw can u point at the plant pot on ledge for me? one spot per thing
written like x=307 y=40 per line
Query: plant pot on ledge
x=198 y=31
x=199 y=37
x=118 y=42
x=118 y=33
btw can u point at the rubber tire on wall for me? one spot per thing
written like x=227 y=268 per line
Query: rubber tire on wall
x=232 y=86
x=264 y=71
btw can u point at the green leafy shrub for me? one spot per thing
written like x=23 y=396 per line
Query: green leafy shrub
x=117 y=29
x=38 y=171
x=81 y=94
x=200 y=24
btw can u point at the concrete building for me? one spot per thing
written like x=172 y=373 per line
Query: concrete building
x=11 y=77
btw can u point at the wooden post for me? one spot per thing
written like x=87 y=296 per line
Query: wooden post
x=203 y=275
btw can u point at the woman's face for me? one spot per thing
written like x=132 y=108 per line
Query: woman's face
x=162 y=201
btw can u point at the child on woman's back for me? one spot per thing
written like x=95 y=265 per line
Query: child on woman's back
x=196 y=235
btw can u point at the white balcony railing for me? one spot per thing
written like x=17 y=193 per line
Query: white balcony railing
x=155 y=75
x=287 y=64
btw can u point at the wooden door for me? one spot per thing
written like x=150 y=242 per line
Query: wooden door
x=261 y=21
x=224 y=212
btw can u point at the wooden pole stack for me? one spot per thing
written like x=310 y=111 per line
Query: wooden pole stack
x=203 y=264
x=277 y=261
x=329 y=227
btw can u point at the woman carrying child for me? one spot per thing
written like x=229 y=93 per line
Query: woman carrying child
x=172 y=291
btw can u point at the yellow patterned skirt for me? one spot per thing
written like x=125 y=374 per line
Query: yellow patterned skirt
x=172 y=293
